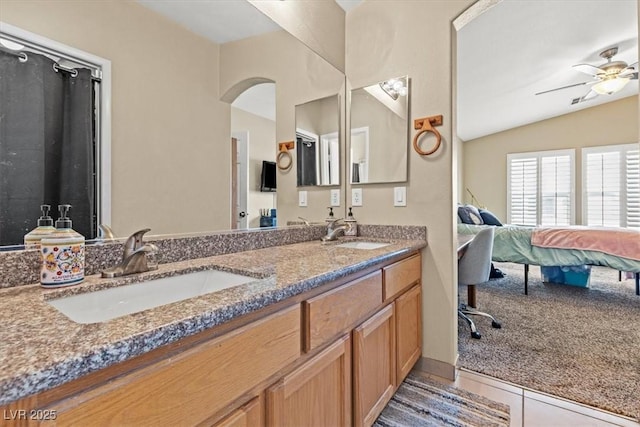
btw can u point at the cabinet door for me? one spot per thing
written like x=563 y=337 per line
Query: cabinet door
x=374 y=357
x=408 y=313
x=248 y=415
x=316 y=394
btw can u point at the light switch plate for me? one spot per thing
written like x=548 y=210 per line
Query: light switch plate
x=335 y=197
x=302 y=198
x=399 y=196
x=356 y=197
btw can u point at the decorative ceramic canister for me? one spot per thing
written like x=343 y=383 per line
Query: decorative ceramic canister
x=62 y=254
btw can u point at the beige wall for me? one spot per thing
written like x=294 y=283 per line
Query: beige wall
x=300 y=76
x=415 y=40
x=262 y=134
x=170 y=135
x=606 y=124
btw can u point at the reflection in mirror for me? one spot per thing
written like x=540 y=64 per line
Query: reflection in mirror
x=171 y=147
x=253 y=131
x=50 y=108
x=318 y=142
x=379 y=132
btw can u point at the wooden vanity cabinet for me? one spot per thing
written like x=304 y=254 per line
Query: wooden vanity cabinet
x=325 y=358
x=192 y=386
x=316 y=394
x=374 y=365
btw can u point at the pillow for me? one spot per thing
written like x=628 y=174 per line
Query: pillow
x=469 y=214
x=489 y=218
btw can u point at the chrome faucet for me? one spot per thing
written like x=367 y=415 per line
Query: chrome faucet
x=135 y=257
x=334 y=230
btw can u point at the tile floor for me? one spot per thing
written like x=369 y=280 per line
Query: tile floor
x=531 y=409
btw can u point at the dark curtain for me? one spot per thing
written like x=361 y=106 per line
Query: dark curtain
x=355 y=172
x=46 y=145
x=306 y=164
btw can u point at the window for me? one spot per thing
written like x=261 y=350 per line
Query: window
x=611 y=186
x=540 y=188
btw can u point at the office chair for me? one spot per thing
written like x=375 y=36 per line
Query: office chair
x=473 y=269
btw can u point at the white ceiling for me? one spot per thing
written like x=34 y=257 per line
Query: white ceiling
x=519 y=48
x=218 y=20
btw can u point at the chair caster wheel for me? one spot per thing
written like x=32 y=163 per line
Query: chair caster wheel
x=476 y=335
x=496 y=325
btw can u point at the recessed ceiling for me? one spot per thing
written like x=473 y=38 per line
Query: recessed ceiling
x=519 y=48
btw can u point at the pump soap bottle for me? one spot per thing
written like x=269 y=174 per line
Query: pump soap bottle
x=44 y=228
x=330 y=218
x=352 y=229
x=62 y=254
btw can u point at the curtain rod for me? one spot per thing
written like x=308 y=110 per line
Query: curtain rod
x=23 y=57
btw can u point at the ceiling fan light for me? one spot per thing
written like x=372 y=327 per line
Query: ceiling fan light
x=610 y=86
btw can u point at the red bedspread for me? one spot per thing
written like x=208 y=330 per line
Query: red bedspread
x=622 y=242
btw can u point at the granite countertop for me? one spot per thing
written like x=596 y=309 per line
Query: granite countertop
x=41 y=348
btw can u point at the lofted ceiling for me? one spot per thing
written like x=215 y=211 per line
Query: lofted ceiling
x=519 y=48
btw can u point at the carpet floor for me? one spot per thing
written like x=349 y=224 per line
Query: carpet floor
x=421 y=401
x=581 y=344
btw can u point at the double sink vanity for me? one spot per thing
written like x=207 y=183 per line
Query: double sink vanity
x=249 y=328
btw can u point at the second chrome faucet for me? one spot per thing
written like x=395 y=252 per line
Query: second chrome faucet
x=334 y=230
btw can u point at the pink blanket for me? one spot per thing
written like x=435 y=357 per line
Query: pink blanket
x=622 y=242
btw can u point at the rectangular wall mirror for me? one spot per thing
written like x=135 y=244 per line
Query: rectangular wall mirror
x=379 y=132
x=318 y=142
x=172 y=152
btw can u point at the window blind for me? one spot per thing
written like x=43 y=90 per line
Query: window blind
x=612 y=186
x=541 y=188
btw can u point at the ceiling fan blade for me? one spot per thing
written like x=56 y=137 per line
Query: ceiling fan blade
x=591 y=94
x=588 y=69
x=629 y=72
x=564 y=87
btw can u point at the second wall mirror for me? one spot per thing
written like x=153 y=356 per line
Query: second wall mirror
x=318 y=142
x=379 y=132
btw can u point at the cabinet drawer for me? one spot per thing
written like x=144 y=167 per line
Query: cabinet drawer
x=334 y=312
x=401 y=275
x=194 y=385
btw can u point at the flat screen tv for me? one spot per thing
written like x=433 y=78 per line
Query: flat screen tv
x=268 y=176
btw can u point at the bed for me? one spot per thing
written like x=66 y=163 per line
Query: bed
x=522 y=245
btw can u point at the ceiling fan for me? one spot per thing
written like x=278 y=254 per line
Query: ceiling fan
x=609 y=77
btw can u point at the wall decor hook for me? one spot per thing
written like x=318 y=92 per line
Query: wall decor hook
x=284 y=158
x=426 y=124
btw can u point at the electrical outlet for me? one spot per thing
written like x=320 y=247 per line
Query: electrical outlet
x=302 y=198
x=335 y=197
x=399 y=196
x=356 y=197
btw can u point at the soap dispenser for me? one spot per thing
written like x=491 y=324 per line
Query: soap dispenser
x=330 y=218
x=352 y=225
x=62 y=254
x=44 y=228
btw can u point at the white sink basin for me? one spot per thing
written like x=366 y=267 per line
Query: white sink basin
x=106 y=304
x=363 y=245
